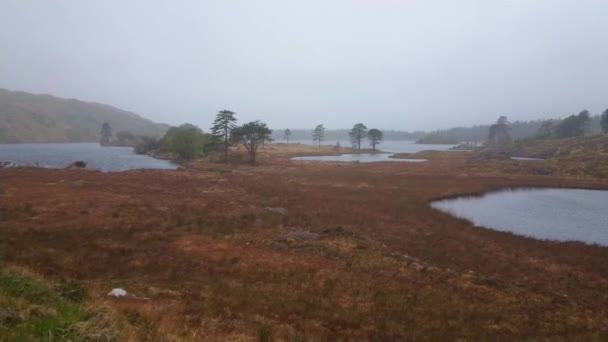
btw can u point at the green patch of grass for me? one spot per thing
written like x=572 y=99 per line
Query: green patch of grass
x=33 y=310
x=72 y=291
x=265 y=333
x=24 y=287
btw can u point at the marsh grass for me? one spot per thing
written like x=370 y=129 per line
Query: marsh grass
x=32 y=309
x=385 y=266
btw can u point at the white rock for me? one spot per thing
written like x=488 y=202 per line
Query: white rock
x=117 y=293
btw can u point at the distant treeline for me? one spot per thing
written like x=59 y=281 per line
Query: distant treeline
x=518 y=130
x=342 y=134
x=473 y=134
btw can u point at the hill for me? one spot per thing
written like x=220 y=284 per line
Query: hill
x=31 y=118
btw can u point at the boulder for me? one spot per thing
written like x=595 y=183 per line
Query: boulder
x=118 y=292
x=77 y=165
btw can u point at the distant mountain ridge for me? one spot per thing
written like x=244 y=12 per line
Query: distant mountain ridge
x=32 y=118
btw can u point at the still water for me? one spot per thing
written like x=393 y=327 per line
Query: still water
x=552 y=214
x=362 y=157
x=60 y=155
x=391 y=147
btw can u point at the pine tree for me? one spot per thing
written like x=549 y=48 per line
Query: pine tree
x=357 y=134
x=318 y=135
x=222 y=127
x=374 y=136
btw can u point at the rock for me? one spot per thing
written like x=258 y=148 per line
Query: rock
x=280 y=211
x=118 y=292
x=302 y=235
x=77 y=165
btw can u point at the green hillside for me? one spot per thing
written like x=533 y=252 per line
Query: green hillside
x=30 y=118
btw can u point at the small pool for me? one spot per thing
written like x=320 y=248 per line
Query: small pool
x=526 y=158
x=360 y=157
x=552 y=214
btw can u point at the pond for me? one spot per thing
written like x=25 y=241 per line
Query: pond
x=527 y=159
x=552 y=214
x=360 y=157
x=60 y=155
x=391 y=146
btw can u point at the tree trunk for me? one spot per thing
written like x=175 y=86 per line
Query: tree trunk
x=226 y=145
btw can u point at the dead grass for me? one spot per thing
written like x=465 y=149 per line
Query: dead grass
x=215 y=265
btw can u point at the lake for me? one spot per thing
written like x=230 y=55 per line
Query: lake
x=109 y=158
x=552 y=214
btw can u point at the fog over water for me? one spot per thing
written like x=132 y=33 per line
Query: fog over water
x=389 y=64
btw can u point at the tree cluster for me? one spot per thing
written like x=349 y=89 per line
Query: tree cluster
x=251 y=135
x=572 y=126
x=498 y=133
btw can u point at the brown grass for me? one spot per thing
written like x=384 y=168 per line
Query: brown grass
x=215 y=265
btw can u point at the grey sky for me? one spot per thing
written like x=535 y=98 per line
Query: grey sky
x=390 y=64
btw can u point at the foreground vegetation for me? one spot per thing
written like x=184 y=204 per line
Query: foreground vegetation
x=301 y=251
x=32 y=308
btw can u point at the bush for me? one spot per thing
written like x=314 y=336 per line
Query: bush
x=186 y=141
x=146 y=145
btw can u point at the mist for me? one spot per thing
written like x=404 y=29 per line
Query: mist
x=410 y=65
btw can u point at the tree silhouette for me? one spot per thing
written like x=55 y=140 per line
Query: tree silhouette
x=357 y=134
x=498 y=134
x=374 y=136
x=252 y=135
x=604 y=121
x=574 y=125
x=106 y=134
x=286 y=134
x=318 y=135
x=222 y=126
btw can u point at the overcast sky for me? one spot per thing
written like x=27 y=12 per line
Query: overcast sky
x=389 y=64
